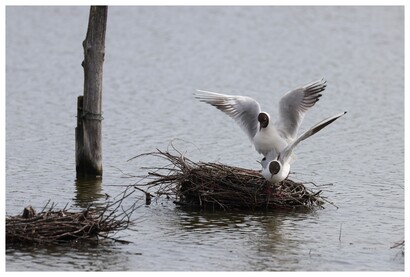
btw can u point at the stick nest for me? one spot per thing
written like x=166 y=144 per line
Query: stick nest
x=218 y=186
x=53 y=226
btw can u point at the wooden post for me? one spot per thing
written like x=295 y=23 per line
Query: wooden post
x=89 y=116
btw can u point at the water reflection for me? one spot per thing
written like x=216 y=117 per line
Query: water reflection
x=82 y=256
x=210 y=221
x=274 y=241
x=265 y=238
x=88 y=191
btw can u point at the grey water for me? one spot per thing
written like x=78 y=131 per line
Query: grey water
x=155 y=59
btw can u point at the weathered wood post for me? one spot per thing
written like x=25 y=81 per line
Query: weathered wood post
x=88 y=151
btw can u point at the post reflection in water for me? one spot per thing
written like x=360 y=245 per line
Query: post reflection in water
x=88 y=191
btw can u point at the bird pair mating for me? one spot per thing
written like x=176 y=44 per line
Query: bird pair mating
x=276 y=141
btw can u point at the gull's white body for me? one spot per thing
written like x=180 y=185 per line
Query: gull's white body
x=268 y=139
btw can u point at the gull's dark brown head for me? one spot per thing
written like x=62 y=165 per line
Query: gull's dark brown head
x=263 y=119
x=274 y=167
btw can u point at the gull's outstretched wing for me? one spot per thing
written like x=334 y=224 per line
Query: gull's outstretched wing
x=244 y=110
x=287 y=152
x=293 y=106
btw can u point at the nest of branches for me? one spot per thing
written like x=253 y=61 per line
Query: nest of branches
x=219 y=186
x=50 y=225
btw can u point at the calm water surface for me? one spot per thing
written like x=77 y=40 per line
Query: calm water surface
x=155 y=59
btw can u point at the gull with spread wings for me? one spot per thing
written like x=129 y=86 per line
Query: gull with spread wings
x=267 y=136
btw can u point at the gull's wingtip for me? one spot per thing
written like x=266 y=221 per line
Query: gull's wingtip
x=340 y=114
x=320 y=80
x=207 y=94
x=202 y=91
x=198 y=92
x=322 y=83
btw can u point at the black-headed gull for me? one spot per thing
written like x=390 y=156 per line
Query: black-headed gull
x=257 y=124
x=276 y=167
